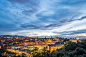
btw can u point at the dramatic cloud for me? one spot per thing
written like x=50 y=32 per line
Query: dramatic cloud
x=28 y=25
x=43 y=17
x=72 y=32
x=64 y=21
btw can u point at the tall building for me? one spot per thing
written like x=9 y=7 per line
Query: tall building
x=77 y=37
x=51 y=36
x=17 y=37
x=45 y=37
x=37 y=38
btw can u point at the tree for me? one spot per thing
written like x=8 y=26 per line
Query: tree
x=23 y=54
x=36 y=49
x=82 y=44
x=80 y=51
x=70 y=46
x=0 y=41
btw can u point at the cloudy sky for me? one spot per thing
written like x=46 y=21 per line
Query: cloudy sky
x=64 y=18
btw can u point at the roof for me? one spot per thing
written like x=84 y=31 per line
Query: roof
x=18 y=45
x=0 y=44
x=61 y=42
x=66 y=40
x=31 y=41
x=57 y=43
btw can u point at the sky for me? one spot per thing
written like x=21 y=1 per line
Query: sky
x=63 y=18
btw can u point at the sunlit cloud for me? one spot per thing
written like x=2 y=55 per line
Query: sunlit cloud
x=42 y=17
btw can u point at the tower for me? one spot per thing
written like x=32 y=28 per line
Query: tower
x=51 y=36
x=77 y=37
x=45 y=37
x=17 y=37
x=37 y=38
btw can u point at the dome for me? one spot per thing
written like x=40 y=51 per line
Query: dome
x=49 y=40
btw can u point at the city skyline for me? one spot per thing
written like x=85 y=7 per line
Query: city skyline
x=43 y=18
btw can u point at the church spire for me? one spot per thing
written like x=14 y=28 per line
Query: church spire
x=45 y=37
x=37 y=37
x=51 y=36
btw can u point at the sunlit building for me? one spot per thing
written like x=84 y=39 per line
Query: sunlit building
x=53 y=47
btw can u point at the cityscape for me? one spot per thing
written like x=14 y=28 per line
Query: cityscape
x=42 y=28
x=32 y=46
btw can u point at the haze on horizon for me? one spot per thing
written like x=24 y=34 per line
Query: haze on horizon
x=64 y=18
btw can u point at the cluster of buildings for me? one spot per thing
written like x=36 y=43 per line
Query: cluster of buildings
x=29 y=44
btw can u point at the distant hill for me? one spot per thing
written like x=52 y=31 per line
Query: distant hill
x=14 y=36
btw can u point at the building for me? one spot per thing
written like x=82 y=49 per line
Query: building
x=53 y=47
x=1 y=46
x=75 y=40
x=77 y=37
